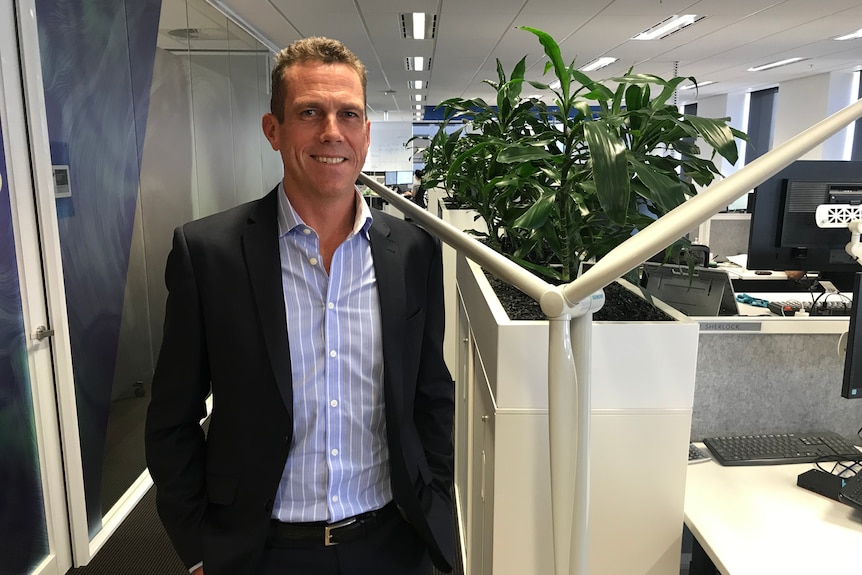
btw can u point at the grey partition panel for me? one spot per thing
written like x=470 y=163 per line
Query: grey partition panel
x=728 y=237
x=771 y=383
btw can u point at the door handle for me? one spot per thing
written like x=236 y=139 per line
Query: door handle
x=42 y=332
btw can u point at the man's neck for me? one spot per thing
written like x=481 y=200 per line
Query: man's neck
x=332 y=220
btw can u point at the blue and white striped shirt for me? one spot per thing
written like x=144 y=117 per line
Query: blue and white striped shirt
x=339 y=459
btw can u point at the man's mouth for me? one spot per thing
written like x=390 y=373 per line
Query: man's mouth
x=329 y=159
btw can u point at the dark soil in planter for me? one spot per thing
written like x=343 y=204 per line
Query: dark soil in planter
x=620 y=304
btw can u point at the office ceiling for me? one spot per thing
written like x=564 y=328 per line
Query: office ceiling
x=734 y=35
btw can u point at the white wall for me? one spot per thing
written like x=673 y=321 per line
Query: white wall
x=734 y=106
x=804 y=102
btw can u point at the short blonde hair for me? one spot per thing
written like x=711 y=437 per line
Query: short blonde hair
x=314 y=49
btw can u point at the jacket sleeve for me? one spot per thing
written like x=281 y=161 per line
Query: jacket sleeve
x=175 y=442
x=434 y=406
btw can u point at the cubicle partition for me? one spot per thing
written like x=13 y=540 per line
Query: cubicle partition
x=771 y=375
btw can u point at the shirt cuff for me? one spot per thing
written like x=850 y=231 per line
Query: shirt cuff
x=192 y=569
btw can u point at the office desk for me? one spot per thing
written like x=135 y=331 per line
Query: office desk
x=756 y=521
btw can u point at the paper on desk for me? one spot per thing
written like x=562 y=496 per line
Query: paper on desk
x=740 y=259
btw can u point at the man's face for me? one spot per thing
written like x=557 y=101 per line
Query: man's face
x=324 y=137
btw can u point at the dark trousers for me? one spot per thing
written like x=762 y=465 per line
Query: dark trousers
x=393 y=548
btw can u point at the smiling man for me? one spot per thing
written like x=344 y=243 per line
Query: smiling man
x=317 y=325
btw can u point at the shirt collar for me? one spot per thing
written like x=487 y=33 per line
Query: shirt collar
x=288 y=219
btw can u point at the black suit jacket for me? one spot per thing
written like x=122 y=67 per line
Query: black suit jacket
x=225 y=331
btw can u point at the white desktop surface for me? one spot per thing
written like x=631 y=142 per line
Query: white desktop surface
x=754 y=520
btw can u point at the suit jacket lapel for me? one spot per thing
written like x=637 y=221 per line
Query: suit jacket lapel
x=389 y=269
x=260 y=248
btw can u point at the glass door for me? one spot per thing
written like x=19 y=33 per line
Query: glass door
x=34 y=523
x=142 y=115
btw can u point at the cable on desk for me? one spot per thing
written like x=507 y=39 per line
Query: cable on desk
x=848 y=303
x=846 y=468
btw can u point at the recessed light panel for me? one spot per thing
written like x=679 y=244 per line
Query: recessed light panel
x=417 y=64
x=598 y=64
x=668 y=26
x=777 y=64
x=698 y=85
x=418 y=26
x=852 y=36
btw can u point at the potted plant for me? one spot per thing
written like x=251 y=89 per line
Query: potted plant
x=563 y=183
x=557 y=185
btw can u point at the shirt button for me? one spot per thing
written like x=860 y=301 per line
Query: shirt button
x=306 y=231
x=332 y=353
x=334 y=452
x=334 y=403
x=335 y=498
x=313 y=261
x=330 y=305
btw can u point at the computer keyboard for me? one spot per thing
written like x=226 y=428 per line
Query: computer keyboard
x=775 y=449
x=696 y=454
x=832 y=307
x=792 y=307
x=851 y=491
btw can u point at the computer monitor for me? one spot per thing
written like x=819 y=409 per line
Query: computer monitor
x=851 y=387
x=391 y=178
x=783 y=234
x=404 y=178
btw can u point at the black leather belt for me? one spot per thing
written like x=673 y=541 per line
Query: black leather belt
x=290 y=535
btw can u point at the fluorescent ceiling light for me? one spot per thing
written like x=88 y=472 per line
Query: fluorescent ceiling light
x=418 y=97
x=416 y=64
x=385 y=116
x=418 y=26
x=852 y=36
x=418 y=106
x=598 y=64
x=668 y=27
x=555 y=85
x=417 y=84
x=698 y=85
x=775 y=64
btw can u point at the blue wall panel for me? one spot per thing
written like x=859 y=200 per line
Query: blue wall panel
x=97 y=63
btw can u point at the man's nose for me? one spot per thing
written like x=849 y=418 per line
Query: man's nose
x=331 y=131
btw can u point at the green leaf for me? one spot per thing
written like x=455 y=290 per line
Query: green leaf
x=516 y=154
x=666 y=94
x=584 y=109
x=634 y=93
x=666 y=191
x=600 y=93
x=536 y=216
x=717 y=134
x=610 y=169
x=552 y=50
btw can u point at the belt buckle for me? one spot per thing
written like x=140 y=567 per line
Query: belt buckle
x=328 y=529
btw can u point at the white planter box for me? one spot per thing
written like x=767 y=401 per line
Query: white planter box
x=642 y=391
x=464 y=220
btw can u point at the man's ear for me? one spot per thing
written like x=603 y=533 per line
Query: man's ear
x=269 y=124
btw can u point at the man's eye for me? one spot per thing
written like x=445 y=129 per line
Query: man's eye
x=308 y=113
